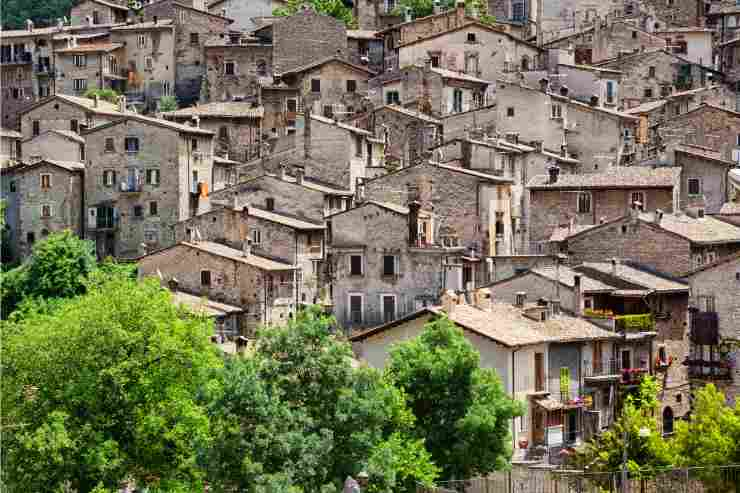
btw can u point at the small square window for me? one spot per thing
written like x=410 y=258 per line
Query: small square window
x=132 y=144
x=153 y=210
x=435 y=61
x=648 y=92
x=46 y=211
x=110 y=144
x=194 y=38
x=205 y=278
x=510 y=112
x=230 y=68
x=471 y=37
x=351 y=85
x=315 y=85
x=355 y=265
x=138 y=211
x=651 y=72
x=694 y=186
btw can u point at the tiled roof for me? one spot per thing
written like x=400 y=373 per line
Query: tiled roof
x=216 y=110
x=323 y=61
x=399 y=209
x=237 y=255
x=11 y=134
x=646 y=107
x=351 y=128
x=103 y=106
x=161 y=23
x=69 y=135
x=112 y=5
x=702 y=230
x=203 y=305
x=92 y=48
x=567 y=278
x=591 y=68
x=613 y=178
x=451 y=74
x=636 y=276
x=690 y=92
x=361 y=34
x=223 y=160
x=565 y=232
x=24 y=166
x=153 y=121
x=721 y=261
x=704 y=153
x=284 y=219
x=313 y=184
x=412 y=113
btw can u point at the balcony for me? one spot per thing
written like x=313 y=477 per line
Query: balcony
x=17 y=58
x=709 y=370
x=606 y=369
x=134 y=184
x=632 y=376
x=643 y=322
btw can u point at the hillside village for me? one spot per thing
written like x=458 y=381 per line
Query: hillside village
x=562 y=181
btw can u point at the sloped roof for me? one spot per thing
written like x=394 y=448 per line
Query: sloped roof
x=284 y=219
x=701 y=230
x=412 y=113
x=613 y=178
x=361 y=34
x=324 y=61
x=336 y=123
x=730 y=208
x=634 y=275
x=204 y=305
x=562 y=233
x=91 y=48
x=152 y=121
x=103 y=108
x=67 y=134
x=719 y=262
x=566 y=275
x=140 y=26
x=11 y=134
x=229 y=109
x=398 y=209
x=112 y=5
x=704 y=153
x=71 y=166
x=646 y=107
x=451 y=74
x=237 y=255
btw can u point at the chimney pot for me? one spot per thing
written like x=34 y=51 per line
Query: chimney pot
x=300 y=172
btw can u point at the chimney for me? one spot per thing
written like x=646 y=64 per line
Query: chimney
x=195 y=121
x=246 y=248
x=122 y=104
x=89 y=20
x=482 y=299
x=460 y=12
x=521 y=298
x=96 y=100
x=544 y=84
x=564 y=91
x=449 y=300
x=299 y=171
x=154 y=19
x=614 y=262
x=512 y=137
x=594 y=101
x=414 y=208
x=658 y=216
x=564 y=150
x=553 y=172
x=577 y=296
x=29 y=25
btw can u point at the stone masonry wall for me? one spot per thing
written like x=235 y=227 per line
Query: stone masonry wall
x=306 y=37
x=51 y=145
x=707 y=126
x=57 y=114
x=222 y=87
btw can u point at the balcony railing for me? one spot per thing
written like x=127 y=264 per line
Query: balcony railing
x=603 y=368
x=709 y=370
x=22 y=57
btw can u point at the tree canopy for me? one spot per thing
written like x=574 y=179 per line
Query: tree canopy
x=333 y=8
x=15 y=12
x=462 y=410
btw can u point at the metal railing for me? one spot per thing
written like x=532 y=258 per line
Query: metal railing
x=601 y=368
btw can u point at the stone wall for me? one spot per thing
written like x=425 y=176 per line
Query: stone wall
x=713 y=176
x=306 y=37
x=57 y=114
x=707 y=126
x=243 y=83
x=51 y=145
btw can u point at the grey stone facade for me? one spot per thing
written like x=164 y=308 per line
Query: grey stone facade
x=61 y=145
x=59 y=113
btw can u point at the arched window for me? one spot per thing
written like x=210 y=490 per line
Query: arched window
x=667 y=421
x=261 y=68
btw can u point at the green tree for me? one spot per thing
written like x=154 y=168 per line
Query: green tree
x=399 y=464
x=333 y=8
x=710 y=438
x=167 y=103
x=103 y=389
x=15 y=12
x=109 y=95
x=423 y=8
x=462 y=411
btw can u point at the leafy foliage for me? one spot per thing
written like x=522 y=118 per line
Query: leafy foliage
x=104 y=94
x=15 y=12
x=422 y=8
x=461 y=410
x=167 y=103
x=333 y=8
x=109 y=393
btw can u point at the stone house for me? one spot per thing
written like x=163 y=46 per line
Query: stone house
x=456 y=42
x=237 y=125
x=715 y=319
x=728 y=54
x=434 y=91
x=710 y=126
x=272 y=234
x=471 y=208
x=299 y=196
x=596 y=136
x=723 y=17
x=581 y=81
x=606 y=39
x=84 y=65
x=263 y=288
x=144 y=175
x=62 y=145
x=365 y=48
x=281 y=111
x=226 y=318
x=652 y=115
x=575 y=200
x=375 y=14
x=246 y=13
x=10 y=147
x=410 y=135
x=149 y=62
x=671 y=243
x=94 y=12
x=332 y=87
x=63 y=112
x=652 y=75
x=43 y=197
x=236 y=65
x=534 y=349
x=692 y=43
x=193 y=27
x=704 y=178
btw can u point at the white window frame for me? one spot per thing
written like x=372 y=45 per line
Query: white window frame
x=688 y=187
x=233 y=62
x=590 y=203
x=350 y=295
x=148 y=63
x=142 y=40
x=255 y=236
x=51 y=211
x=642 y=199
x=41 y=180
x=154 y=174
x=79 y=85
x=362 y=263
x=383 y=296
x=556 y=111
x=79 y=60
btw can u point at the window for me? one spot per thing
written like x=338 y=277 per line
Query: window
x=328 y=110
x=651 y=72
x=80 y=85
x=270 y=203
x=74 y=126
x=132 y=144
x=96 y=17
x=36 y=127
x=256 y=237
x=355 y=308
x=82 y=153
x=665 y=90
x=457 y=101
x=138 y=211
x=194 y=38
x=626 y=359
x=291 y=105
x=109 y=144
x=11 y=186
x=556 y=110
x=109 y=178
x=45 y=180
x=609 y=91
x=45 y=211
x=667 y=421
x=30 y=238
x=391 y=97
x=694 y=186
x=261 y=68
x=355 y=265
x=148 y=63
x=634 y=34
x=584 y=203
x=638 y=197
x=351 y=85
x=711 y=257
x=205 y=278
x=223 y=133
x=141 y=41
x=358 y=145
x=471 y=37
x=80 y=60
x=315 y=85
x=389 y=265
x=648 y=92
x=510 y=112
x=435 y=61
x=153 y=208
x=389 y=307
x=152 y=177
x=230 y=67
x=43 y=91
x=194 y=144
